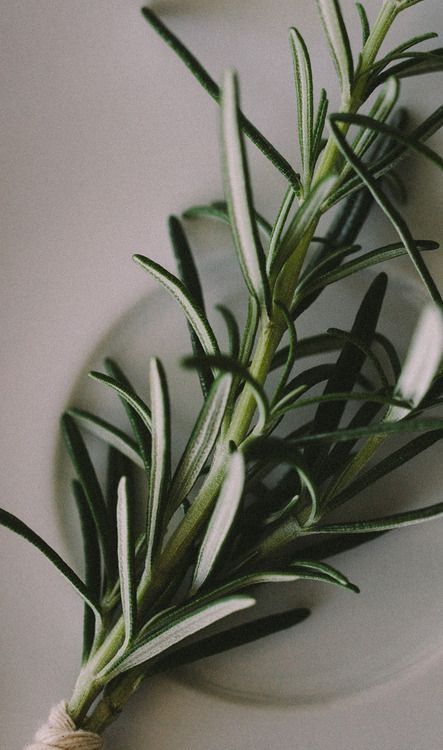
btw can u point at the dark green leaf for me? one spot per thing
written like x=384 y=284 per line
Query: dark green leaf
x=88 y=478
x=219 y=210
x=179 y=629
x=201 y=442
x=232 y=328
x=109 y=433
x=91 y=554
x=364 y=22
x=305 y=101
x=140 y=427
x=188 y=274
x=337 y=36
x=213 y=90
x=349 y=364
x=14 y=524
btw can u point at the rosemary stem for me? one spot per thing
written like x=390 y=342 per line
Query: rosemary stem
x=180 y=543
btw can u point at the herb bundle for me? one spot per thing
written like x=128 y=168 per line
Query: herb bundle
x=248 y=501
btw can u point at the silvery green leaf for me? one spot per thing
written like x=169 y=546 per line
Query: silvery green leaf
x=126 y=561
x=364 y=22
x=140 y=426
x=129 y=396
x=192 y=623
x=219 y=210
x=422 y=361
x=201 y=442
x=396 y=521
x=239 y=196
x=11 y=522
x=176 y=288
x=305 y=102
x=108 y=433
x=281 y=576
x=279 y=225
x=221 y=519
x=312 y=282
x=188 y=273
x=370 y=123
x=319 y=125
x=232 y=329
x=338 y=39
x=161 y=456
x=329 y=571
x=403 y=47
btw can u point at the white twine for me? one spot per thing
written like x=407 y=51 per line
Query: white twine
x=60 y=733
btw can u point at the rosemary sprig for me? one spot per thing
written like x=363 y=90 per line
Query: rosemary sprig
x=202 y=543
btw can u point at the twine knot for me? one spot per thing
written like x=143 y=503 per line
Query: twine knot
x=60 y=733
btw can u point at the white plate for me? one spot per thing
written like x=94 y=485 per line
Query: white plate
x=107 y=134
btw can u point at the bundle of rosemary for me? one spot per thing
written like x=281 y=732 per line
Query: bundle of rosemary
x=248 y=501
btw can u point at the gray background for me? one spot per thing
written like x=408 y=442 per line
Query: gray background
x=103 y=135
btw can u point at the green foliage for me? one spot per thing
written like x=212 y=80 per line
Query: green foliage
x=234 y=510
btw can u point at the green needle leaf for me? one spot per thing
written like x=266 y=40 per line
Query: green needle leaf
x=239 y=197
x=232 y=328
x=205 y=80
x=319 y=126
x=221 y=520
x=390 y=463
x=129 y=396
x=349 y=365
x=327 y=570
x=219 y=210
x=108 y=433
x=91 y=554
x=391 y=212
x=140 y=426
x=189 y=275
x=396 y=521
x=378 y=126
x=201 y=442
x=11 y=522
x=366 y=260
x=176 y=288
x=277 y=229
x=305 y=101
x=161 y=457
x=364 y=22
x=126 y=561
x=88 y=478
x=337 y=36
